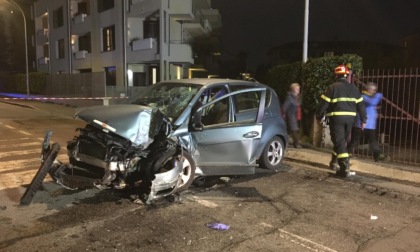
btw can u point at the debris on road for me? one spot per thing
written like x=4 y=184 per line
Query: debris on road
x=218 y=226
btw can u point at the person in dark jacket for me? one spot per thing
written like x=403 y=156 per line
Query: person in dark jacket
x=371 y=99
x=340 y=103
x=292 y=112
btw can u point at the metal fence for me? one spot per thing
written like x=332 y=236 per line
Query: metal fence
x=86 y=89
x=398 y=128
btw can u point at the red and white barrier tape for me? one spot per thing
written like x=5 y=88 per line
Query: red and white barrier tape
x=61 y=98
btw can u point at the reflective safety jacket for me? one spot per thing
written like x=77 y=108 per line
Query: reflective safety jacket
x=341 y=99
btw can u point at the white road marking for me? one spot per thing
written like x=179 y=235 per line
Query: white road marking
x=14 y=139
x=8 y=126
x=9 y=146
x=203 y=202
x=19 y=153
x=25 y=133
x=308 y=244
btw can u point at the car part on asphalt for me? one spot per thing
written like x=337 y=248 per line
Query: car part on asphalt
x=48 y=156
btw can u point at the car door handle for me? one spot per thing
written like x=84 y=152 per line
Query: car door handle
x=251 y=134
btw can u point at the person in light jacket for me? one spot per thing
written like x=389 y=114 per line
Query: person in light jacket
x=371 y=99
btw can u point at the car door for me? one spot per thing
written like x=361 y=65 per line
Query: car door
x=226 y=144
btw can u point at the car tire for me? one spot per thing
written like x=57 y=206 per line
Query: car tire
x=188 y=172
x=272 y=154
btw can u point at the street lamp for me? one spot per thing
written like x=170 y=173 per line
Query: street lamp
x=305 y=32
x=26 y=44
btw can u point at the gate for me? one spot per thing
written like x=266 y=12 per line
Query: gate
x=398 y=128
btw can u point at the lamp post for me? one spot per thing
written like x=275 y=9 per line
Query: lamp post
x=305 y=33
x=26 y=44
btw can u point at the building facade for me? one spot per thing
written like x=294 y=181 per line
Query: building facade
x=133 y=42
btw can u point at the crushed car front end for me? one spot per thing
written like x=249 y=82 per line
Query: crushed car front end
x=123 y=146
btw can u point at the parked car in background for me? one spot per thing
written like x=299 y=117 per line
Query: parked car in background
x=174 y=132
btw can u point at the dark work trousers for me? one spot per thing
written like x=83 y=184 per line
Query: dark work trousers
x=357 y=133
x=340 y=129
x=295 y=137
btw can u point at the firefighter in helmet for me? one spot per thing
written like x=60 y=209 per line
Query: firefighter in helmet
x=340 y=103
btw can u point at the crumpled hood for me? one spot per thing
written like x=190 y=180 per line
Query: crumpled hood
x=137 y=123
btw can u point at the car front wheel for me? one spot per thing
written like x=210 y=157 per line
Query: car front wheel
x=188 y=172
x=272 y=154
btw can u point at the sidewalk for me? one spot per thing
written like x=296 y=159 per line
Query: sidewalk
x=321 y=159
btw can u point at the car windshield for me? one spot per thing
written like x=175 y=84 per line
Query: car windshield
x=170 y=98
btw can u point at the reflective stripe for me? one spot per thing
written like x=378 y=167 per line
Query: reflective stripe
x=341 y=113
x=344 y=99
x=325 y=98
x=343 y=155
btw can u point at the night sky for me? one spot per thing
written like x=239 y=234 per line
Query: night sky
x=255 y=26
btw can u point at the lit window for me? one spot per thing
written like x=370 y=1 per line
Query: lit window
x=108 y=38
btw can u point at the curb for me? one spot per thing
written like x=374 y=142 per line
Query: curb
x=322 y=159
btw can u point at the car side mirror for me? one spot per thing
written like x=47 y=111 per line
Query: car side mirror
x=196 y=124
x=197 y=127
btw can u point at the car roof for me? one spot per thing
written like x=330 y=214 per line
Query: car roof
x=212 y=81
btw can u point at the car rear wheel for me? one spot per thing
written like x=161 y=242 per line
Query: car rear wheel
x=272 y=154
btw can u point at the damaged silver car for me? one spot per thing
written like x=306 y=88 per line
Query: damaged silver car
x=171 y=134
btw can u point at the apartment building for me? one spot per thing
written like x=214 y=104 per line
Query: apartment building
x=133 y=42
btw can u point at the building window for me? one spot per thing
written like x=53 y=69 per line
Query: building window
x=84 y=43
x=45 y=21
x=111 y=76
x=46 y=49
x=60 y=49
x=104 y=5
x=83 y=8
x=58 y=18
x=164 y=27
x=108 y=38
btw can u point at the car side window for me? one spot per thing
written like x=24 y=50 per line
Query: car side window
x=246 y=101
x=246 y=106
x=216 y=113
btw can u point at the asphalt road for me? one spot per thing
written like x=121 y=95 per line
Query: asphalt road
x=298 y=208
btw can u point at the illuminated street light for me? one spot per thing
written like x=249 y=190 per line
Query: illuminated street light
x=26 y=44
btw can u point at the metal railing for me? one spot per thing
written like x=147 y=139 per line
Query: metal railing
x=398 y=128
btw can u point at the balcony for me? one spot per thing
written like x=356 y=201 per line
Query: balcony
x=43 y=61
x=213 y=17
x=181 y=53
x=80 y=54
x=42 y=36
x=79 y=18
x=142 y=44
x=182 y=10
x=196 y=29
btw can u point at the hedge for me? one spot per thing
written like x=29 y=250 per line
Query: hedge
x=16 y=83
x=314 y=76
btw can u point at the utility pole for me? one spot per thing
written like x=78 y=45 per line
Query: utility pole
x=305 y=32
